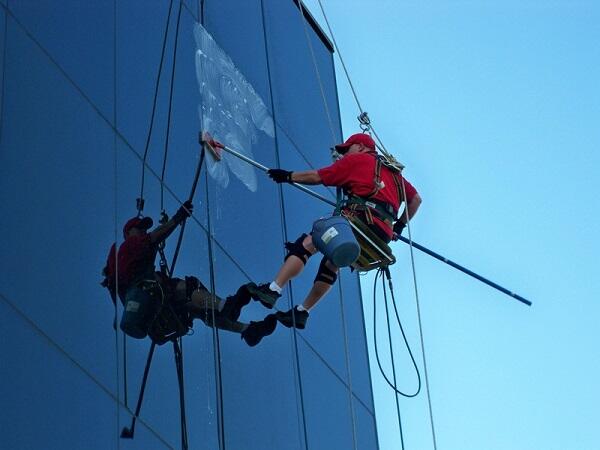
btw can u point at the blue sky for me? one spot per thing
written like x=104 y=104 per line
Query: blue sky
x=494 y=107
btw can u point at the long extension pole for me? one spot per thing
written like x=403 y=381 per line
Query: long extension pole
x=207 y=140
x=465 y=270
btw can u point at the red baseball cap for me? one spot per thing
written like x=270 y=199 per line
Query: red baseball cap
x=143 y=223
x=358 y=138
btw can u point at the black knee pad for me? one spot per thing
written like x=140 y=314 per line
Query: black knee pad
x=297 y=249
x=325 y=274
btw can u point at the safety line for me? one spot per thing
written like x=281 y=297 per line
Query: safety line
x=170 y=109
x=339 y=53
x=389 y=329
x=73 y=361
x=2 y=102
x=418 y=304
x=317 y=72
x=392 y=385
x=156 y=89
x=348 y=367
x=338 y=195
x=215 y=331
x=300 y=408
x=115 y=200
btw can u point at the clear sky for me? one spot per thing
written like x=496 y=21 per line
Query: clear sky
x=494 y=107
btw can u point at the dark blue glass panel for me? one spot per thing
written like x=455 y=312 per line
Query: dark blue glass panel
x=329 y=421
x=140 y=34
x=260 y=397
x=324 y=330
x=299 y=104
x=355 y=331
x=366 y=429
x=237 y=28
x=42 y=396
x=79 y=36
x=161 y=409
x=54 y=403
x=57 y=181
x=70 y=184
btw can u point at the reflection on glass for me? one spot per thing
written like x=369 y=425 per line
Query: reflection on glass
x=230 y=110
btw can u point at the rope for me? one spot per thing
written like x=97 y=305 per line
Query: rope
x=115 y=200
x=339 y=53
x=338 y=202
x=168 y=133
x=337 y=49
x=387 y=320
x=422 y=341
x=140 y=203
x=300 y=408
x=392 y=385
x=317 y=72
x=3 y=75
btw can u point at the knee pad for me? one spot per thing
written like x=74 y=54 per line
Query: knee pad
x=297 y=249
x=325 y=274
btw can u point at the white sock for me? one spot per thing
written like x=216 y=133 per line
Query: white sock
x=302 y=308
x=275 y=287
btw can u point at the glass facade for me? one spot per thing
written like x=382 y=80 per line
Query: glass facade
x=77 y=100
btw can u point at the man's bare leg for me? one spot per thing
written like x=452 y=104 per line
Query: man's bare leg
x=294 y=265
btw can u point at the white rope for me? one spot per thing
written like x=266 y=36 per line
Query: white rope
x=414 y=273
x=317 y=72
x=334 y=139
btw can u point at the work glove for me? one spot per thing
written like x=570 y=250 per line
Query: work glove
x=184 y=211
x=280 y=175
x=398 y=227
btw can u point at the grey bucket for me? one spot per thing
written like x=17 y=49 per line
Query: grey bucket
x=139 y=310
x=334 y=238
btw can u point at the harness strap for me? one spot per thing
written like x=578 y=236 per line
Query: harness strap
x=377 y=184
x=382 y=210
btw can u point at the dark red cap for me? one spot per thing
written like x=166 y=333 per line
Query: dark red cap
x=143 y=223
x=358 y=138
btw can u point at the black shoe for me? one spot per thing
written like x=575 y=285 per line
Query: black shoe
x=258 y=330
x=234 y=303
x=263 y=294
x=293 y=317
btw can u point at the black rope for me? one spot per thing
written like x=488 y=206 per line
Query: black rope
x=140 y=200
x=389 y=330
x=191 y=196
x=164 y=166
x=177 y=343
x=392 y=385
x=177 y=350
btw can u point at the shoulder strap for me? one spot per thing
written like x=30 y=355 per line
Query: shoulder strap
x=377 y=184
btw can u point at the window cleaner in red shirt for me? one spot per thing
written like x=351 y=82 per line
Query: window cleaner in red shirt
x=375 y=195
x=130 y=274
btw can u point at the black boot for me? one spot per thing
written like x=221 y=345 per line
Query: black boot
x=258 y=330
x=234 y=303
x=263 y=294
x=293 y=317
